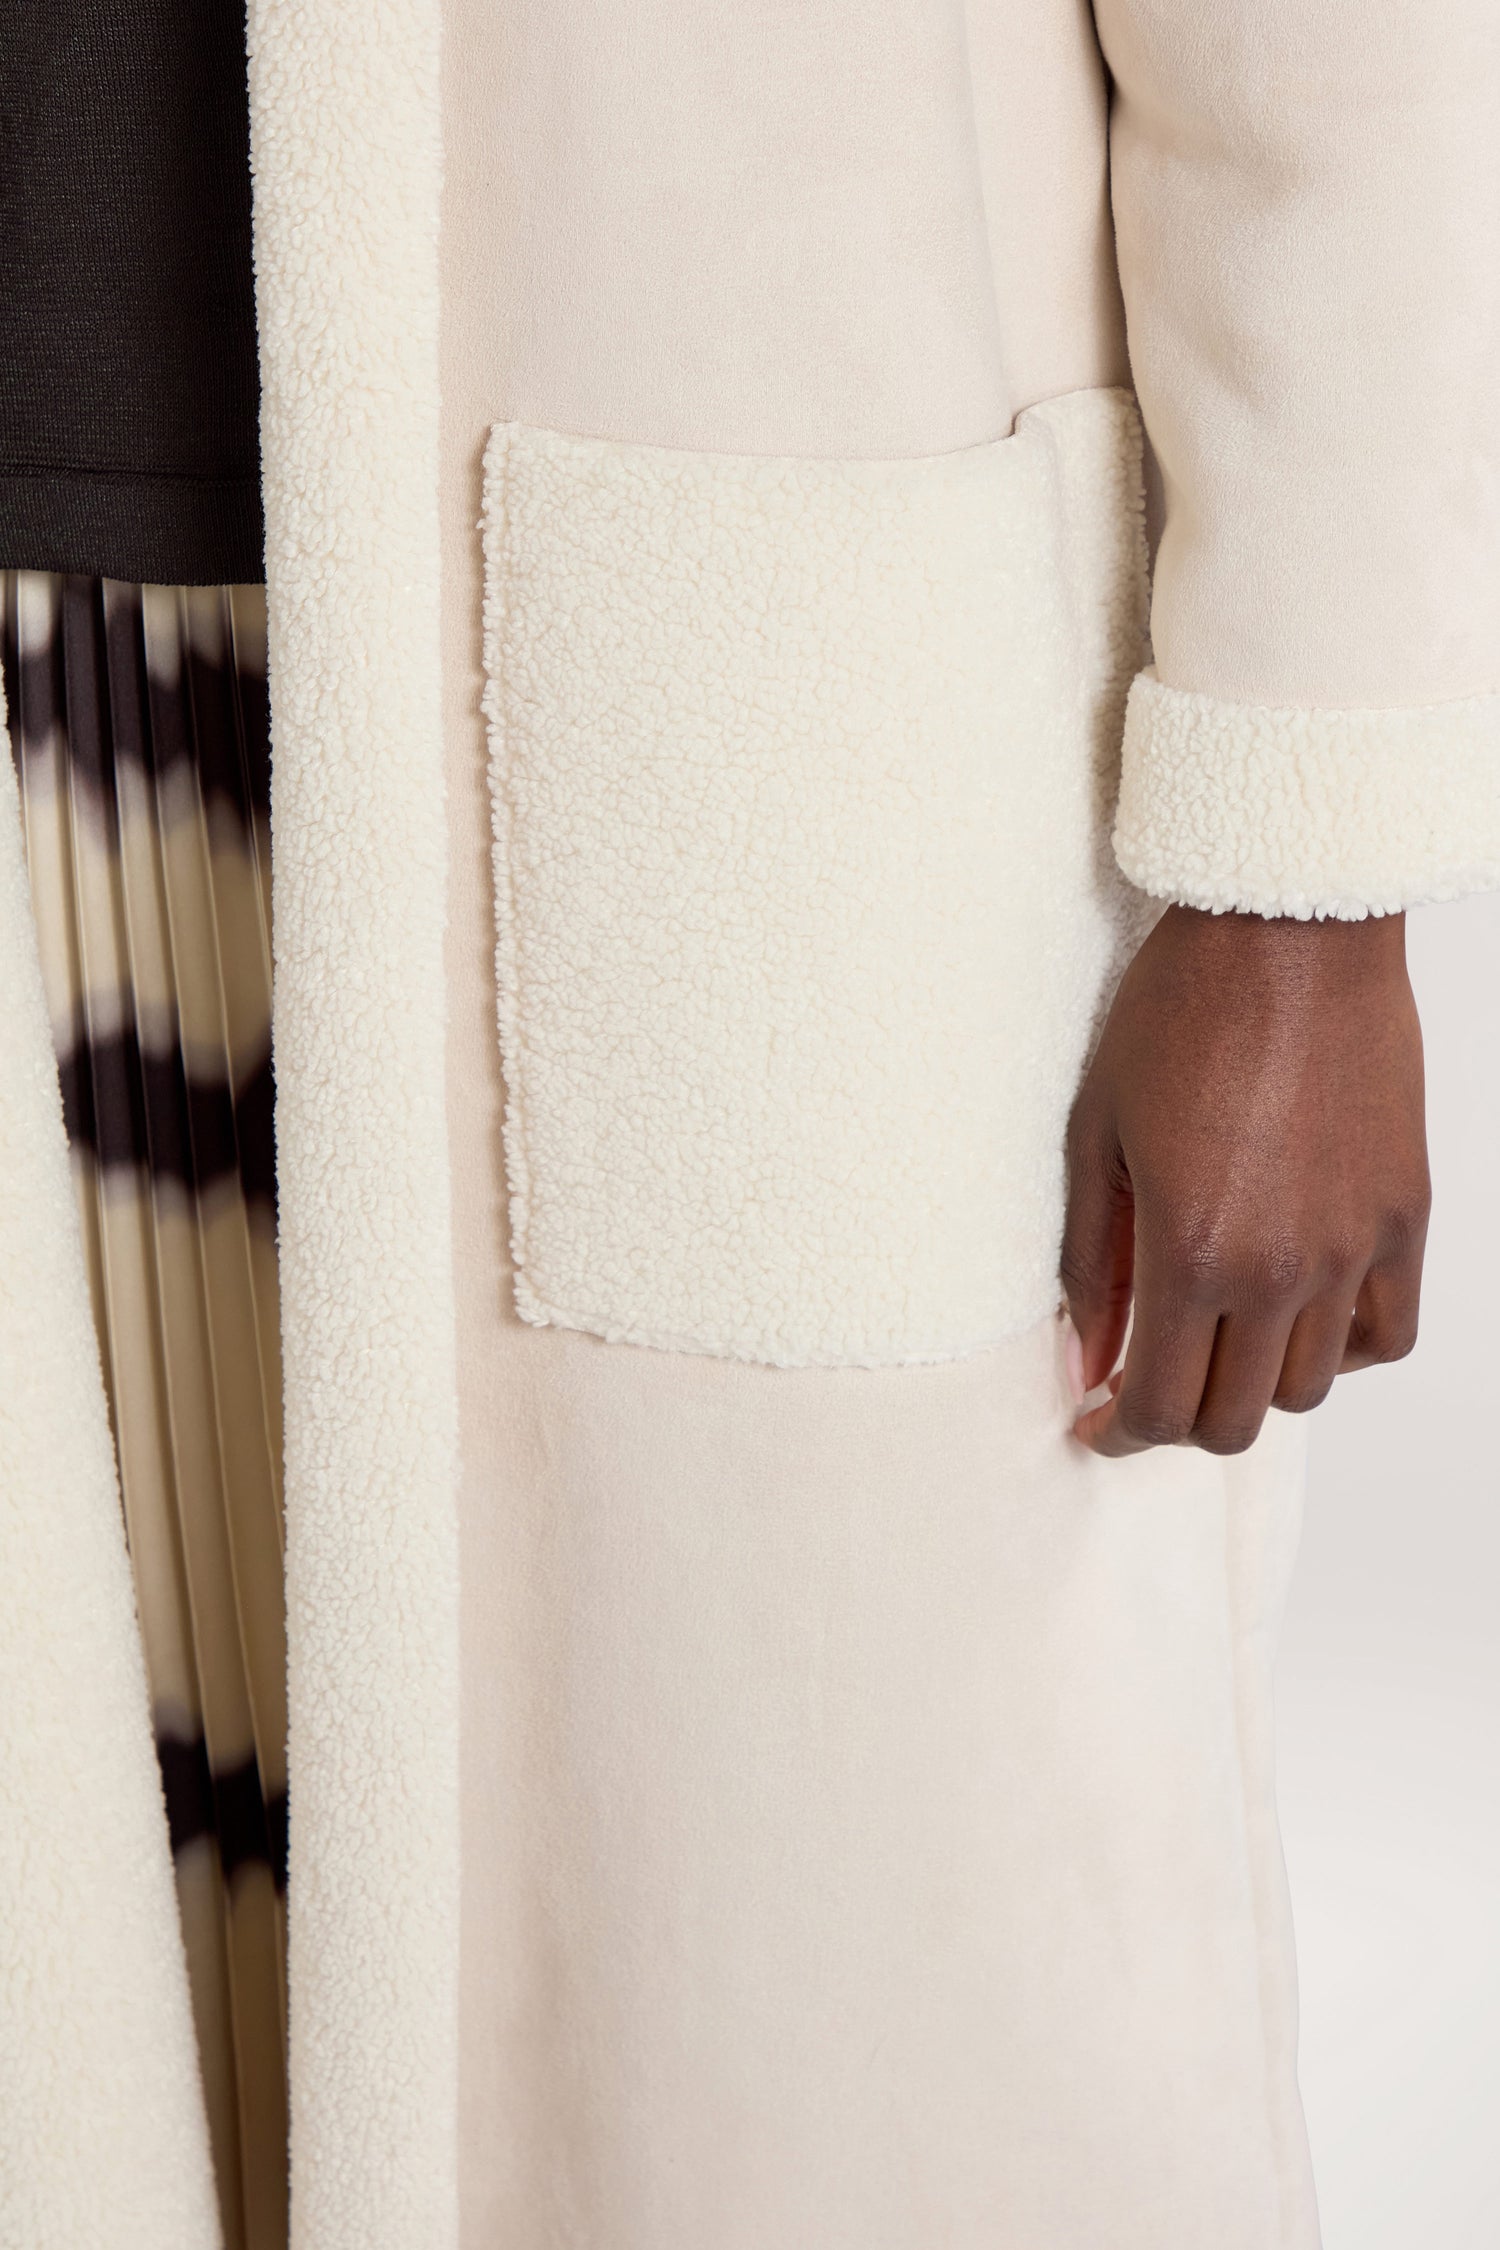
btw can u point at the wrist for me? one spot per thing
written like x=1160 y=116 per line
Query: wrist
x=1277 y=946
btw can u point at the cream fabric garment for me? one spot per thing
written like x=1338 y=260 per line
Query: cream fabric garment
x=868 y=1833
x=1308 y=202
x=827 y=229
x=868 y=1830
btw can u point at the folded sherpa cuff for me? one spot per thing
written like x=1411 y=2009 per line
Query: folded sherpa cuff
x=1308 y=812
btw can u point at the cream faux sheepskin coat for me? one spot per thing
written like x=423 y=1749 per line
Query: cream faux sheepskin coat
x=755 y=1782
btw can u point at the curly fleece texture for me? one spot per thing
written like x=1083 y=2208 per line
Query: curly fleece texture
x=794 y=762
x=347 y=163
x=103 y=2139
x=1308 y=812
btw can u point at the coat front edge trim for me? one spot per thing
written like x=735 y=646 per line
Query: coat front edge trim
x=103 y=2135
x=346 y=151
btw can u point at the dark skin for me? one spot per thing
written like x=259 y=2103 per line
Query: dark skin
x=1247 y=1162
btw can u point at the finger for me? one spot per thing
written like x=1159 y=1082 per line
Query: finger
x=1157 y=1396
x=1249 y=1352
x=1315 y=1351
x=1098 y=1252
x=1384 y=1326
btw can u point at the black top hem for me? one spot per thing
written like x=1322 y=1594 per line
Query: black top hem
x=127 y=300
x=158 y=530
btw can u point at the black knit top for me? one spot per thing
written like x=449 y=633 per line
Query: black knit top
x=128 y=383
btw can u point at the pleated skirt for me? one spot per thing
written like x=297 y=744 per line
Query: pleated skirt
x=138 y=721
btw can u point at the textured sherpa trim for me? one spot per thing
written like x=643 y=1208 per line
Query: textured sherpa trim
x=103 y=2138
x=802 y=778
x=347 y=160
x=1339 y=813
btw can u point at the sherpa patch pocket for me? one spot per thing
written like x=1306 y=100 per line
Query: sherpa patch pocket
x=802 y=774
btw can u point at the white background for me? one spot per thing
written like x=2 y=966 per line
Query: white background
x=1389 y=1723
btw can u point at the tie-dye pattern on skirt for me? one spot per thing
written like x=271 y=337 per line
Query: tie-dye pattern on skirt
x=138 y=721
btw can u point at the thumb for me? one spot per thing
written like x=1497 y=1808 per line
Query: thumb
x=1098 y=1252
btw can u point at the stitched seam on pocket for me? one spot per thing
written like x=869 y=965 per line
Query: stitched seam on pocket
x=495 y=521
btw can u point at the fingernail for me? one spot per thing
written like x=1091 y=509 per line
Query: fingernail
x=1073 y=1357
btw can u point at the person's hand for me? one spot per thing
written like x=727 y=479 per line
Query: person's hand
x=1247 y=1160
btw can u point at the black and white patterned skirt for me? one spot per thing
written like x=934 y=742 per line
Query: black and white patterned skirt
x=138 y=722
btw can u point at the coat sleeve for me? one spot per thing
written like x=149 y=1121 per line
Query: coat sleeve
x=1307 y=210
